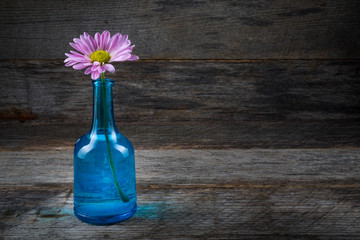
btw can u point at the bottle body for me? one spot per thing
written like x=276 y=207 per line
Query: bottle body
x=104 y=168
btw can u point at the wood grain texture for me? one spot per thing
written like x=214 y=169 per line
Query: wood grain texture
x=191 y=29
x=244 y=116
x=205 y=213
x=191 y=168
x=193 y=194
x=34 y=135
x=192 y=91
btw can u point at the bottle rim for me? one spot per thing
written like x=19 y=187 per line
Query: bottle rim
x=98 y=81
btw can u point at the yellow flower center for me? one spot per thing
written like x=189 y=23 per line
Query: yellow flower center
x=100 y=56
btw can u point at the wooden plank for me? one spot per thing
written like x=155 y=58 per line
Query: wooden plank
x=197 y=168
x=36 y=135
x=192 y=194
x=191 y=91
x=260 y=29
x=205 y=213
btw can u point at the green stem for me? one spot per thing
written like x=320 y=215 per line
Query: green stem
x=111 y=161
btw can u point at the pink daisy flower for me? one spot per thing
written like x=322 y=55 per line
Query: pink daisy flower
x=96 y=54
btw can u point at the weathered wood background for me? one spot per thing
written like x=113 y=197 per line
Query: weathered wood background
x=267 y=92
x=190 y=29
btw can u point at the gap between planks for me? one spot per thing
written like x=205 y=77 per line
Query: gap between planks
x=203 y=60
x=248 y=185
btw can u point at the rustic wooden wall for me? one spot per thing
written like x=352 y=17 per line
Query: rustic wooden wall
x=203 y=62
x=190 y=29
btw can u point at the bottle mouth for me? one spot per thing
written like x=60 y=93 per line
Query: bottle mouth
x=98 y=81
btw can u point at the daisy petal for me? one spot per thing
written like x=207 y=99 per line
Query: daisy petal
x=81 y=66
x=81 y=45
x=95 y=66
x=120 y=49
x=102 y=69
x=76 y=53
x=95 y=75
x=77 y=48
x=120 y=44
x=120 y=58
x=133 y=58
x=109 y=67
x=86 y=43
x=77 y=59
x=105 y=38
x=68 y=64
x=75 y=56
x=123 y=51
x=87 y=71
x=113 y=41
x=91 y=42
x=97 y=41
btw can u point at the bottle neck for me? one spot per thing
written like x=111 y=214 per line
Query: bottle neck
x=103 y=112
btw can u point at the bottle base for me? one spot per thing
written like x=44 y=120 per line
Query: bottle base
x=105 y=220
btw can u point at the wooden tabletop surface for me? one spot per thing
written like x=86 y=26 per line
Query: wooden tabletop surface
x=193 y=194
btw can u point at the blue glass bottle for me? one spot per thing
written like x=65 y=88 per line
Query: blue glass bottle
x=104 y=166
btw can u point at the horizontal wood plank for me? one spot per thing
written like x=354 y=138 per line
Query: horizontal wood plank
x=36 y=135
x=191 y=91
x=239 y=213
x=194 y=168
x=192 y=194
x=259 y=29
